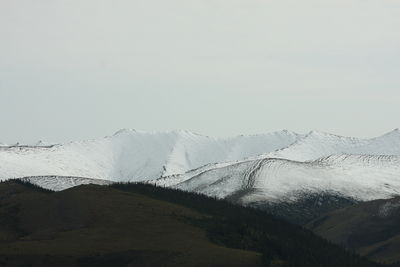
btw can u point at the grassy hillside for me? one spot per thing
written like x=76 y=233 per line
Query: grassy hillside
x=141 y=225
x=371 y=228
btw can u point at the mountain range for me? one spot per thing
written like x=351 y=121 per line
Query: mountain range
x=131 y=155
x=345 y=189
x=277 y=167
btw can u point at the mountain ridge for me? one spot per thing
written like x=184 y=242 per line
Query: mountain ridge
x=318 y=144
x=131 y=155
x=234 y=168
x=370 y=228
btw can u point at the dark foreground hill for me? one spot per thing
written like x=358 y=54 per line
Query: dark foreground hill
x=141 y=225
x=371 y=228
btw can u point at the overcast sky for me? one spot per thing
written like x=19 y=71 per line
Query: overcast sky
x=73 y=70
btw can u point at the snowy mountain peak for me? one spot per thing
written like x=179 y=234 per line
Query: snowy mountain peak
x=325 y=135
x=287 y=132
x=277 y=134
x=267 y=166
x=284 y=133
x=394 y=133
x=131 y=155
x=188 y=133
x=318 y=144
x=361 y=177
x=128 y=131
x=43 y=144
x=124 y=131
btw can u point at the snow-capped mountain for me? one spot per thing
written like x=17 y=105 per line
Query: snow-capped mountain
x=358 y=169
x=317 y=144
x=37 y=144
x=360 y=177
x=59 y=183
x=131 y=155
x=276 y=167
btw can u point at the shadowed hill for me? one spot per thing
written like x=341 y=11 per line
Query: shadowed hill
x=88 y=224
x=371 y=228
x=141 y=225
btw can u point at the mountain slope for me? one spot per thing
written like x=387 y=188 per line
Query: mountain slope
x=312 y=147
x=141 y=225
x=112 y=228
x=135 y=156
x=317 y=144
x=226 y=168
x=355 y=176
x=371 y=228
x=59 y=183
x=295 y=191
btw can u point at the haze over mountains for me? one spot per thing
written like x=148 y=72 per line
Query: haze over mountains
x=275 y=167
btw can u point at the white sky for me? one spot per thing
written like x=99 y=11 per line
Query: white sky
x=74 y=69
